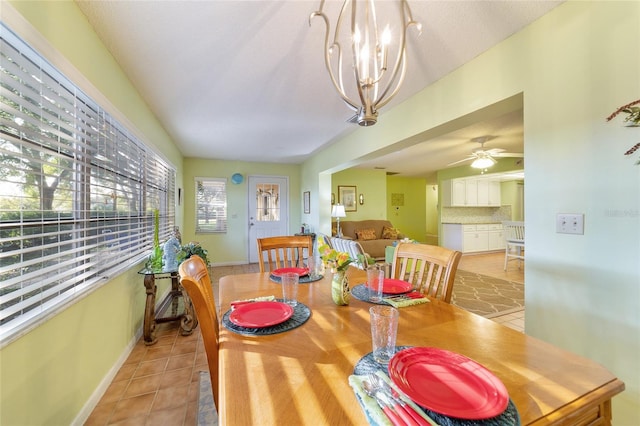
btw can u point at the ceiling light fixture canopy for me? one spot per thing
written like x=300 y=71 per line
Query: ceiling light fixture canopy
x=376 y=33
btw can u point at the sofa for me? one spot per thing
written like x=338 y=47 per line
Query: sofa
x=372 y=235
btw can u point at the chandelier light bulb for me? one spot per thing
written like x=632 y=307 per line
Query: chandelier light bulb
x=369 y=74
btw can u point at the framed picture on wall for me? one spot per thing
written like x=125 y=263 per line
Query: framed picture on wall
x=307 y=201
x=347 y=197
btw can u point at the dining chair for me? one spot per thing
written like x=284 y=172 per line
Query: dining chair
x=351 y=247
x=194 y=278
x=284 y=251
x=514 y=241
x=431 y=269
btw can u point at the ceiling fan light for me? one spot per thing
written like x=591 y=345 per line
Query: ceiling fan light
x=483 y=163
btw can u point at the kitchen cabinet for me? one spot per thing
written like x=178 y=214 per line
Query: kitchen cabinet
x=496 y=237
x=471 y=238
x=471 y=192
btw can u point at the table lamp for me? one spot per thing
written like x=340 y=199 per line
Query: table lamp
x=338 y=211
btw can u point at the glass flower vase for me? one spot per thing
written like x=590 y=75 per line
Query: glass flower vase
x=340 y=288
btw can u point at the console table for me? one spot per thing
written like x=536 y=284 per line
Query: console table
x=171 y=307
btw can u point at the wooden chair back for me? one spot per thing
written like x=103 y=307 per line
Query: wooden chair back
x=194 y=278
x=431 y=269
x=284 y=251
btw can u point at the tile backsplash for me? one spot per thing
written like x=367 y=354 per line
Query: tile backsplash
x=475 y=214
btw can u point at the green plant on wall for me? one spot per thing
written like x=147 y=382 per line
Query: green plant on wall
x=633 y=120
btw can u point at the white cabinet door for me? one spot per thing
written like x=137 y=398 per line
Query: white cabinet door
x=494 y=198
x=496 y=240
x=471 y=192
x=475 y=241
x=483 y=192
x=452 y=236
x=454 y=193
x=458 y=192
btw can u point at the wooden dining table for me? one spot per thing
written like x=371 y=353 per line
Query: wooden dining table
x=301 y=376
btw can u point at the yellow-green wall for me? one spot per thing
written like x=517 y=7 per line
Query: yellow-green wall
x=372 y=184
x=377 y=187
x=48 y=375
x=231 y=247
x=572 y=68
x=410 y=219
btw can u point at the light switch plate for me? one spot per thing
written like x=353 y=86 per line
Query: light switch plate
x=570 y=223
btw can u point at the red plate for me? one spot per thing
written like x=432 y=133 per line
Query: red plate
x=300 y=271
x=448 y=383
x=260 y=314
x=392 y=286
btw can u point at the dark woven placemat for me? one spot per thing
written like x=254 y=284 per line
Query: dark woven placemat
x=509 y=417
x=361 y=292
x=305 y=279
x=301 y=313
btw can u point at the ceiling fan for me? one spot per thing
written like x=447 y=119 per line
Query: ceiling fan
x=483 y=158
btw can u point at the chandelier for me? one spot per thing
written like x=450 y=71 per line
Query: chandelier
x=374 y=33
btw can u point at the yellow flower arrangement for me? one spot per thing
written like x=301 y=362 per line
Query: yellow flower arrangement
x=336 y=260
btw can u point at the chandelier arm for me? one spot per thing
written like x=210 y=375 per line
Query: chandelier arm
x=381 y=101
x=327 y=57
x=401 y=60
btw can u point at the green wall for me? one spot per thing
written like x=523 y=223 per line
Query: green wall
x=570 y=70
x=572 y=67
x=410 y=218
x=372 y=184
x=52 y=374
x=377 y=188
x=232 y=247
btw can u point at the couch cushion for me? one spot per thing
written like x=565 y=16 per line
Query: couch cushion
x=389 y=233
x=349 y=227
x=366 y=234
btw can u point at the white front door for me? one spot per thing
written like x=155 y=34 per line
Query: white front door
x=268 y=210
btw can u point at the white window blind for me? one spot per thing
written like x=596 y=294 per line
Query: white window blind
x=211 y=205
x=77 y=191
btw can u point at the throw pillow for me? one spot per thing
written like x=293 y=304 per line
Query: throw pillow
x=366 y=234
x=389 y=233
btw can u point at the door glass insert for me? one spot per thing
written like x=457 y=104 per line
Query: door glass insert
x=267 y=202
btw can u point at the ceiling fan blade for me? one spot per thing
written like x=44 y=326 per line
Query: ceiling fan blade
x=495 y=151
x=509 y=154
x=461 y=161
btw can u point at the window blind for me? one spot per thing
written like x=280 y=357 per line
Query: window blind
x=77 y=191
x=211 y=205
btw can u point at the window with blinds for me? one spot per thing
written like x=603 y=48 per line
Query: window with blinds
x=77 y=191
x=211 y=205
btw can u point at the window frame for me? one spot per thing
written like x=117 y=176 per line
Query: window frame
x=92 y=252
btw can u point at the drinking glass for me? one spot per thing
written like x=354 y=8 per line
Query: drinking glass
x=375 y=283
x=290 y=288
x=384 y=330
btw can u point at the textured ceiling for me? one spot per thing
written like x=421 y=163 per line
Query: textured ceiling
x=245 y=80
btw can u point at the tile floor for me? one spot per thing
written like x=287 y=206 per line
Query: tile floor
x=158 y=384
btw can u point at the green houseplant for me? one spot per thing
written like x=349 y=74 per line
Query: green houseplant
x=190 y=249
x=633 y=120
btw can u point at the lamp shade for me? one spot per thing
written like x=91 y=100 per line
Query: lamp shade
x=338 y=211
x=482 y=163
